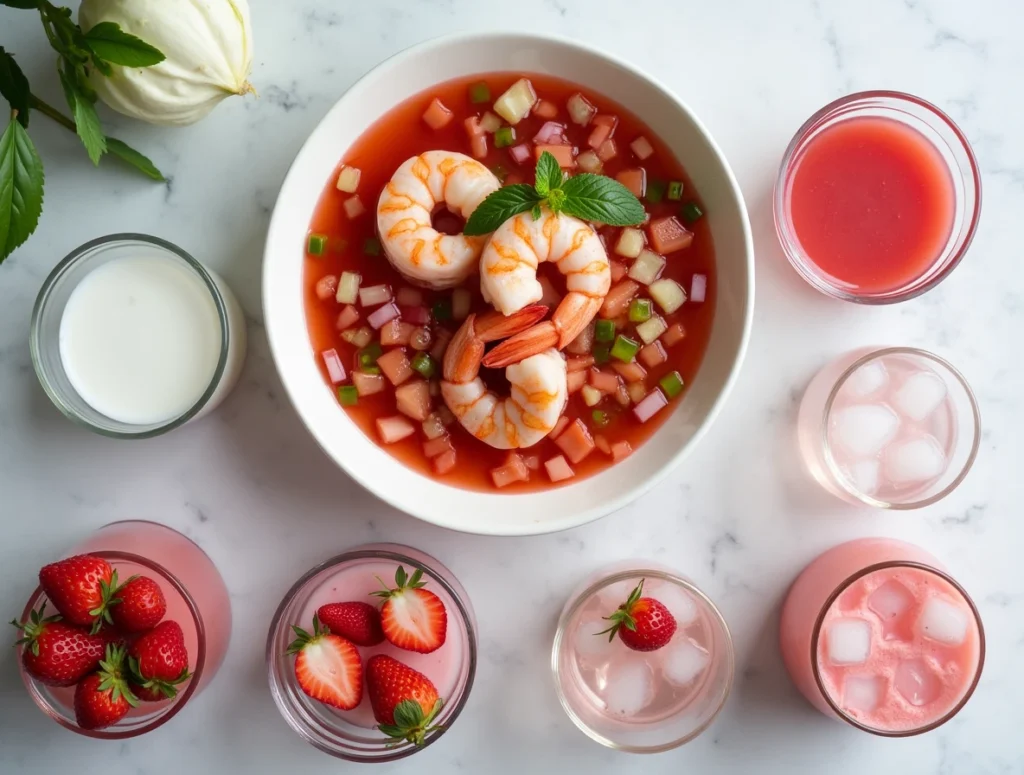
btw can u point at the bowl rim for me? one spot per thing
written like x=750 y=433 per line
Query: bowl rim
x=572 y=519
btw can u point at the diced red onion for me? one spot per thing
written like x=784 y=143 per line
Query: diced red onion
x=520 y=153
x=335 y=368
x=699 y=287
x=372 y=295
x=383 y=315
x=418 y=316
x=551 y=132
x=647 y=408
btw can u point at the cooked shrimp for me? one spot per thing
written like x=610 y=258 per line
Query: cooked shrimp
x=508 y=279
x=539 y=388
x=414 y=247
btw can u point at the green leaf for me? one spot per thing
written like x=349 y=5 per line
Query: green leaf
x=21 y=188
x=556 y=200
x=408 y=714
x=549 y=174
x=14 y=86
x=599 y=198
x=499 y=207
x=536 y=212
x=112 y=44
x=126 y=153
x=87 y=123
x=26 y=4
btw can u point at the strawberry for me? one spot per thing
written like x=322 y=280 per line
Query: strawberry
x=357 y=622
x=82 y=588
x=642 y=623
x=327 y=667
x=103 y=697
x=159 y=662
x=142 y=605
x=404 y=701
x=412 y=617
x=56 y=653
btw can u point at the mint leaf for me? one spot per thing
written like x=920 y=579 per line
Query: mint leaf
x=601 y=199
x=499 y=207
x=87 y=123
x=126 y=153
x=556 y=200
x=549 y=174
x=14 y=85
x=112 y=44
x=21 y=188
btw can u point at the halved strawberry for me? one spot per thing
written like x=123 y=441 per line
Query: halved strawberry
x=642 y=623
x=404 y=701
x=82 y=588
x=102 y=698
x=413 y=618
x=358 y=622
x=327 y=667
x=56 y=653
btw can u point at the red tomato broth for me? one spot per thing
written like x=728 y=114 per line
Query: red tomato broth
x=400 y=134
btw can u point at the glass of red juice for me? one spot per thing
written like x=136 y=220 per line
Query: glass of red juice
x=877 y=198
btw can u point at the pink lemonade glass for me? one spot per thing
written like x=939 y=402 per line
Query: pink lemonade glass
x=353 y=576
x=894 y=428
x=641 y=702
x=876 y=633
x=197 y=599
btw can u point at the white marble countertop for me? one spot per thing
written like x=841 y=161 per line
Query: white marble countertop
x=739 y=516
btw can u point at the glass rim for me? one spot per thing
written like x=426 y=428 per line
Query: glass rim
x=112 y=732
x=833 y=467
x=780 y=207
x=846 y=584
x=574 y=608
x=372 y=551
x=43 y=298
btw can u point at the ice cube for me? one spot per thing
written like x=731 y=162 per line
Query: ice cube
x=916 y=682
x=683 y=660
x=849 y=641
x=614 y=595
x=867 y=380
x=864 y=476
x=919 y=395
x=919 y=460
x=629 y=687
x=864 y=429
x=593 y=649
x=944 y=621
x=862 y=693
x=890 y=602
x=679 y=603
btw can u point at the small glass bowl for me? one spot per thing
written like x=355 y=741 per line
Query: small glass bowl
x=44 y=340
x=329 y=729
x=953 y=147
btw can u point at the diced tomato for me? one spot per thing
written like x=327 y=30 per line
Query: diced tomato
x=564 y=154
x=604 y=381
x=608 y=150
x=473 y=127
x=444 y=463
x=642 y=148
x=617 y=301
x=395 y=333
x=635 y=179
x=395 y=365
x=579 y=362
x=602 y=444
x=368 y=384
x=608 y=120
x=631 y=372
x=621 y=449
x=558 y=468
x=575 y=380
x=653 y=354
x=478 y=146
x=598 y=135
x=669 y=235
x=514 y=470
x=559 y=426
x=575 y=441
x=532 y=462
x=326 y=287
x=433 y=428
x=392 y=429
x=618 y=269
x=545 y=109
x=413 y=399
x=348 y=317
x=438 y=446
x=675 y=334
x=437 y=115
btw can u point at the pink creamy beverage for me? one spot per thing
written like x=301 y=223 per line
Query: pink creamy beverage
x=633 y=700
x=876 y=633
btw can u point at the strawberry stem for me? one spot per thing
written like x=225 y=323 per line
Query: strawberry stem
x=112 y=675
x=410 y=722
x=33 y=628
x=622 y=616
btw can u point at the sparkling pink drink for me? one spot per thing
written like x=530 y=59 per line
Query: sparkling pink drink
x=641 y=701
x=875 y=633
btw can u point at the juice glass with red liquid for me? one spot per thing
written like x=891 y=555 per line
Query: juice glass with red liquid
x=878 y=197
x=197 y=599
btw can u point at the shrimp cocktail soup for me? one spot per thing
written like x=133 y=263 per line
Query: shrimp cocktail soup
x=509 y=282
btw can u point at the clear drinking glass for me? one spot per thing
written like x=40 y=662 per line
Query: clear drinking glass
x=352 y=576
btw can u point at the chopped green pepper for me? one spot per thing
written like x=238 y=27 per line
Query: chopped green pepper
x=479 y=92
x=625 y=349
x=675 y=190
x=691 y=212
x=317 y=244
x=504 y=137
x=348 y=395
x=655 y=191
x=600 y=417
x=672 y=384
x=604 y=331
x=424 y=364
x=640 y=310
x=601 y=352
x=442 y=310
x=368 y=358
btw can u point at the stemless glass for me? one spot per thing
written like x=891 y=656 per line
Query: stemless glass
x=44 y=340
x=679 y=707
x=350 y=576
x=197 y=599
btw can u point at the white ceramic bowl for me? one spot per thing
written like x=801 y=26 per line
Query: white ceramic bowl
x=390 y=83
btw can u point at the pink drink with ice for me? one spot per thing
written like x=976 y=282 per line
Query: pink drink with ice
x=874 y=632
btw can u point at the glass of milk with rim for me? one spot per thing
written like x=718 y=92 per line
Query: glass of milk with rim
x=132 y=337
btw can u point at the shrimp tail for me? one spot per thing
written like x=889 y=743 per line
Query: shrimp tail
x=493 y=326
x=530 y=342
x=574 y=314
x=462 y=358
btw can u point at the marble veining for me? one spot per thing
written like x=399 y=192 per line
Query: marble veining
x=739 y=516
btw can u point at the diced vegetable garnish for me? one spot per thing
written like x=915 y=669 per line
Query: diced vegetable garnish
x=520 y=153
x=600 y=418
x=392 y=429
x=479 y=92
x=617 y=269
x=442 y=336
x=532 y=462
x=515 y=104
x=348 y=288
x=558 y=469
x=668 y=293
x=622 y=395
x=631 y=372
x=347 y=318
x=617 y=301
x=647 y=268
x=636 y=391
x=559 y=426
x=647 y=408
x=445 y=414
x=650 y=330
x=640 y=310
x=413 y=399
x=368 y=355
x=562 y=153
x=444 y=463
x=625 y=349
x=335 y=369
x=552 y=133
x=642 y=148
x=409 y=297
x=395 y=366
x=504 y=137
x=489 y=122
x=698 y=287
x=359 y=337
x=621 y=449
x=635 y=179
x=604 y=331
x=676 y=333
x=691 y=212
x=420 y=338
x=461 y=301
x=442 y=310
x=669 y=235
x=602 y=444
x=546 y=109
x=588 y=161
x=576 y=380
x=675 y=190
x=653 y=355
x=575 y=441
x=433 y=428
x=354 y=207
x=437 y=115
x=591 y=395
x=604 y=381
x=607 y=151
x=316 y=244
x=582 y=344
x=604 y=128
x=655 y=191
x=367 y=384
x=424 y=364
x=439 y=445
x=672 y=384
x=477 y=137
x=514 y=470
x=348 y=395
x=418 y=316
x=395 y=333
x=348 y=179
x=581 y=111
x=383 y=315
x=631 y=242
x=602 y=352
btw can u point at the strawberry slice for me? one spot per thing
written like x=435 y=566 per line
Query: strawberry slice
x=413 y=618
x=327 y=667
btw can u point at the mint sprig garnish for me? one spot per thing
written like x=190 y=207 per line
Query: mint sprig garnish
x=587 y=196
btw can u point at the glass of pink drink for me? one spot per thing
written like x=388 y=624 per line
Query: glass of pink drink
x=197 y=599
x=355 y=576
x=641 y=702
x=876 y=633
x=895 y=428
